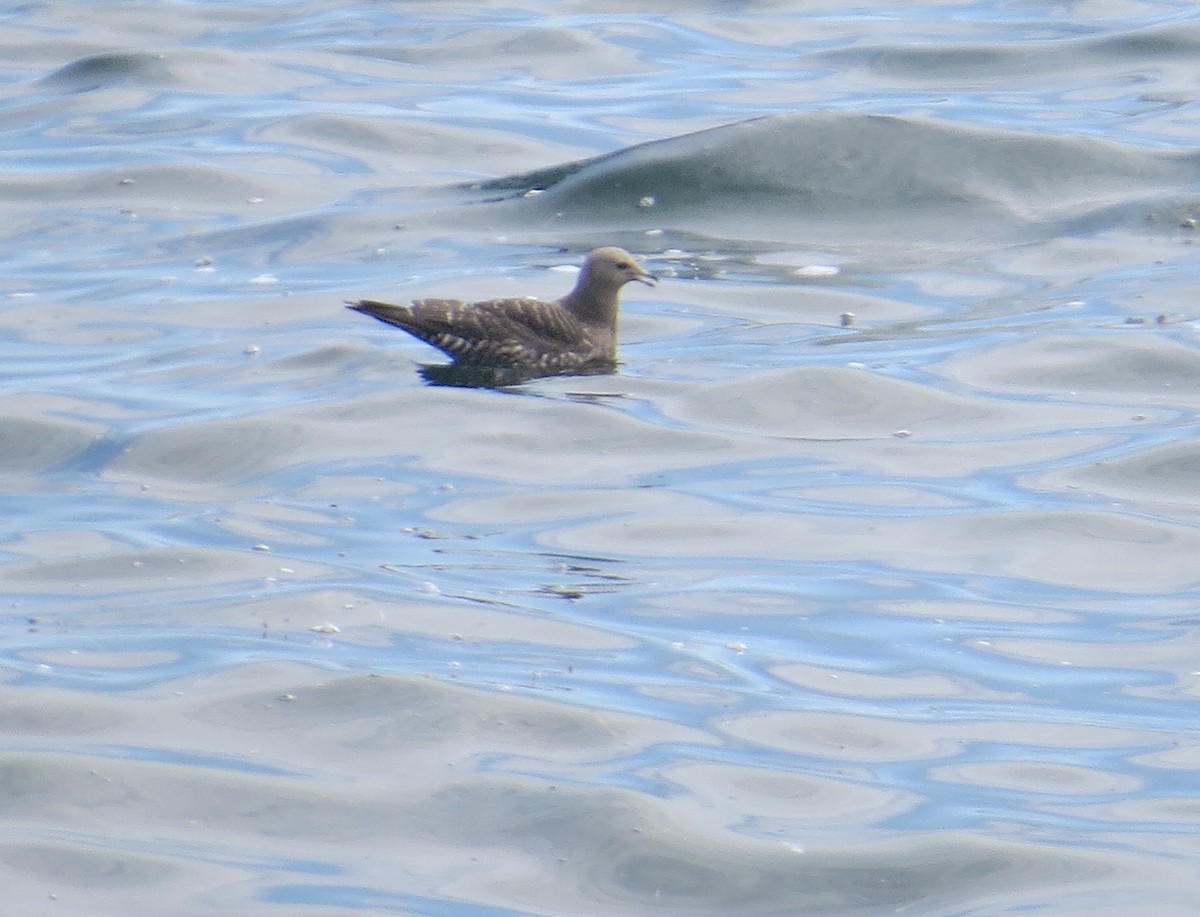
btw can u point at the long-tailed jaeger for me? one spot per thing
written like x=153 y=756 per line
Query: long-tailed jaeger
x=499 y=341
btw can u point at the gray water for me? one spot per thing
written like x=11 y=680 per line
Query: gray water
x=867 y=585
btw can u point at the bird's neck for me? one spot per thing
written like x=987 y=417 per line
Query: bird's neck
x=598 y=307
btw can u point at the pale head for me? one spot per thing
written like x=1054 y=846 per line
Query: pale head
x=611 y=268
x=594 y=299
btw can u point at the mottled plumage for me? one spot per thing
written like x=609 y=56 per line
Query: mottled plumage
x=526 y=337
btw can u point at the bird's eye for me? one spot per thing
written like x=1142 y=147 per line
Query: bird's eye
x=624 y=267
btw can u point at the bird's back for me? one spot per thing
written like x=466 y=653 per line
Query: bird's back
x=527 y=333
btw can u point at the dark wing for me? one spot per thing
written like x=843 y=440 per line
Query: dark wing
x=496 y=331
x=548 y=322
x=400 y=316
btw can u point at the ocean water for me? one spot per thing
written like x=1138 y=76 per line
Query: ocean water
x=867 y=585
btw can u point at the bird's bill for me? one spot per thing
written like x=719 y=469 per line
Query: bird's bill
x=648 y=279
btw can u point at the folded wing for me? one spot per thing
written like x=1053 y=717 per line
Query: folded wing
x=496 y=331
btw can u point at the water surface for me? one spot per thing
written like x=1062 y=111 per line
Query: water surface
x=867 y=585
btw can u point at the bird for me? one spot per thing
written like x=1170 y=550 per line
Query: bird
x=500 y=341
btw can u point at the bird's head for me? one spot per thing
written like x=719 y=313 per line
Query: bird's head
x=613 y=267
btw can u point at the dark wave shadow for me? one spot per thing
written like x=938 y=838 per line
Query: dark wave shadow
x=112 y=68
x=850 y=180
x=881 y=190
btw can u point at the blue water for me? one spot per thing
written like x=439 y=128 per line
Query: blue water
x=866 y=585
